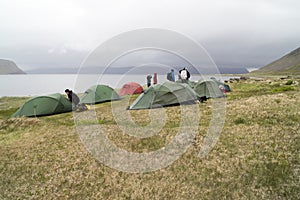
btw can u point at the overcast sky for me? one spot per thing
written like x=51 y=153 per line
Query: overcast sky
x=61 y=33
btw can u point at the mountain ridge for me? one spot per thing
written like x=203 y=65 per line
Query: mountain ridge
x=287 y=64
x=136 y=70
x=9 y=67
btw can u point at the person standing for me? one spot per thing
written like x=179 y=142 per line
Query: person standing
x=149 y=77
x=155 y=79
x=184 y=74
x=171 y=76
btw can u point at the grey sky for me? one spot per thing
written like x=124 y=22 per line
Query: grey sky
x=61 y=33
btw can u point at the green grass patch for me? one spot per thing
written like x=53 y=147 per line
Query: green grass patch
x=270 y=85
x=240 y=121
x=289 y=82
x=284 y=88
x=5 y=114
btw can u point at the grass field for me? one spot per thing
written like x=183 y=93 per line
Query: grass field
x=256 y=157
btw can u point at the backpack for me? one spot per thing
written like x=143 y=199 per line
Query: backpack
x=169 y=76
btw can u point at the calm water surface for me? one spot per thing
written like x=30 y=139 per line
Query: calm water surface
x=41 y=84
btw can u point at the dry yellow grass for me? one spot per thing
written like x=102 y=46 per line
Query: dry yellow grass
x=256 y=157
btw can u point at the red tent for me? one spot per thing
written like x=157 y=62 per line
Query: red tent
x=131 y=88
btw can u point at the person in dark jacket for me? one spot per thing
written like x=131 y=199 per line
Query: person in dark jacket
x=171 y=75
x=73 y=98
x=149 y=77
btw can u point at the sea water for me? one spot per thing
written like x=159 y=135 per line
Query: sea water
x=42 y=84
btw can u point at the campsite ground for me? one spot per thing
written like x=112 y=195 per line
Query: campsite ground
x=256 y=157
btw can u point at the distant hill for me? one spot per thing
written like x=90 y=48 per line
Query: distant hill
x=288 y=64
x=136 y=70
x=9 y=67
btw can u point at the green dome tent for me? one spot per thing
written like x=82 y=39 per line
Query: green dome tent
x=44 y=105
x=165 y=94
x=222 y=86
x=208 y=89
x=189 y=82
x=99 y=94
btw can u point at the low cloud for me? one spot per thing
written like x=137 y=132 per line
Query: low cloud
x=62 y=33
